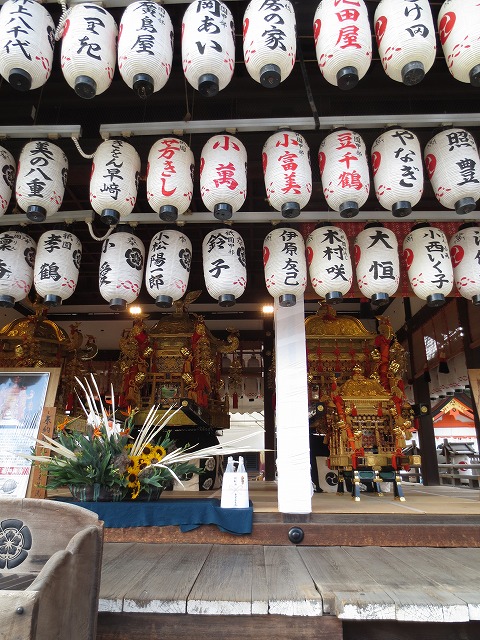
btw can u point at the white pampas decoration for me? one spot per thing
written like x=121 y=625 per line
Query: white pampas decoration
x=224 y=265
x=168 y=266
x=57 y=265
x=459 y=32
x=329 y=262
x=121 y=269
x=285 y=266
x=465 y=252
x=17 y=250
x=7 y=178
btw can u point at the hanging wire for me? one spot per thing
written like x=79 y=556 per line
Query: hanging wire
x=95 y=237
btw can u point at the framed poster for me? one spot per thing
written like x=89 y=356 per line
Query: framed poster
x=25 y=394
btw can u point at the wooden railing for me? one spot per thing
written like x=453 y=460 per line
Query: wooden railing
x=464 y=475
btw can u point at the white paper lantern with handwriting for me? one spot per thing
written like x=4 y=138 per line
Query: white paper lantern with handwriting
x=57 y=265
x=459 y=32
x=7 y=178
x=168 y=266
x=122 y=263
x=465 y=254
x=285 y=266
x=17 y=254
x=329 y=262
x=224 y=265
x=170 y=178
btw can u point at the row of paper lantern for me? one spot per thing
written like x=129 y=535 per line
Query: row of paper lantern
x=451 y=158
x=405 y=36
x=433 y=265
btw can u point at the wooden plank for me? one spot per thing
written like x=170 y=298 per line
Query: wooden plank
x=259 y=582
x=16 y=581
x=14 y=625
x=359 y=606
x=472 y=599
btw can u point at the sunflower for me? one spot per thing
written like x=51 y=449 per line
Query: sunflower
x=159 y=452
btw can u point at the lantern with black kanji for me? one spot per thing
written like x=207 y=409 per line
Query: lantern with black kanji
x=7 y=178
x=89 y=49
x=453 y=166
x=406 y=39
x=269 y=41
x=41 y=179
x=343 y=41
x=223 y=175
x=16 y=275
x=285 y=265
x=168 y=266
x=465 y=254
x=208 y=46
x=170 y=178
x=344 y=172
x=27 y=38
x=57 y=265
x=145 y=47
x=427 y=259
x=287 y=172
x=459 y=32
x=397 y=171
x=224 y=265
x=329 y=262
x=114 y=180
x=377 y=263
x=122 y=263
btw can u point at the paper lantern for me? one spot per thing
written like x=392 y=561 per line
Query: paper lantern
x=89 y=49
x=17 y=256
x=459 y=31
x=224 y=265
x=453 y=166
x=114 y=180
x=377 y=263
x=343 y=41
x=285 y=265
x=406 y=39
x=329 y=263
x=344 y=172
x=427 y=259
x=223 y=175
x=121 y=269
x=397 y=171
x=208 y=46
x=7 y=178
x=168 y=267
x=269 y=41
x=41 y=178
x=57 y=266
x=27 y=38
x=287 y=172
x=145 y=47
x=170 y=178
x=465 y=254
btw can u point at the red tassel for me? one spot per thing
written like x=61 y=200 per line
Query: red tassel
x=380 y=410
x=69 y=405
x=235 y=400
x=354 y=411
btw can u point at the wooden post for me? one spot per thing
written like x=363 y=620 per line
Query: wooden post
x=268 y=399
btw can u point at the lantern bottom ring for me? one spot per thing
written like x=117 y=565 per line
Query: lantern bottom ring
x=413 y=73
x=347 y=78
x=379 y=300
x=270 y=76
x=401 y=209
x=208 y=85
x=164 y=301
x=143 y=85
x=435 y=300
x=465 y=205
x=476 y=299
x=52 y=300
x=223 y=211
x=168 y=213
x=6 y=301
x=287 y=300
x=290 y=209
x=333 y=297
x=36 y=213
x=475 y=76
x=20 y=79
x=226 y=300
x=348 y=209
x=117 y=304
x=110 y=216
x=85 y=87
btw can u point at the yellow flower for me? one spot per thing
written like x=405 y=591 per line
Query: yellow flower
x=159 y=452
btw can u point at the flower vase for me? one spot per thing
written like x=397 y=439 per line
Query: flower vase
x=96 y=493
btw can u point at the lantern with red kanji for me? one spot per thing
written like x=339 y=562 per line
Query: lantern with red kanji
x=168 y=266
x=7 y=178
x=224 y=265
x=465 y=252
x=459 y=32
x=344 y=172
x=427 y=259
x=208 y=46
x=170 y=178
x=329 y=262
x=16 y=276
x=453 y=166
x=287 y=172
x=397 y=171
x=57 y=265
x=343 y=41
x=285 y=265
x=223 y=175
x=121 y=268
x=406 y=39
x=269 y=41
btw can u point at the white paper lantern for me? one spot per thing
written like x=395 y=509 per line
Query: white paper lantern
x=377 y=263
x=208 y=46
x=7 y=178
x=170 y=178
x=114 y=180
x=285 y=265
x=397 y=171
x=41 y=178
x=406 y=39
x=223 y=175
x=459 y=31
x=453 y=166
x=465 y=254
x=343 y=41
x=145 y=47
x=57 y=265
x=269 y=41
x=224 y=265
x=427 y=259
x=121 y=269
x=168 y=267
x=17 y=257
x=329 y=262
x=344 y=172
x=89 y=49
x=27 y=38
x=287 y=172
